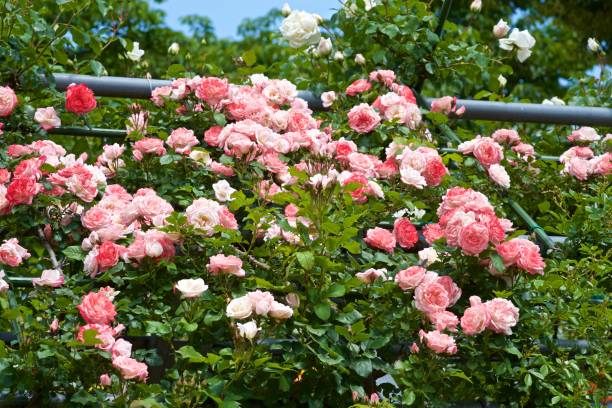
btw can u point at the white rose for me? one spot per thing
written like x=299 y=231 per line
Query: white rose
x=501 y=29
x=476 y=5
x=522 y=40
x=428 y=256
x=286 y=10
x=200 y=156
x=47 y=118
x=280 y=311
x=328 y=98
x=553 y=101
x=3 y=285
x=593 y=45
x=223 y=190
x=360 y=59
x=339 y=56
x=239 y=308
x=301 y=28
x=136 y=53
x=410 y=176
x=248 y=330
x=325 y=47
x=499 y=175
x=191 y=288
x=502 y=80
x=174 y=48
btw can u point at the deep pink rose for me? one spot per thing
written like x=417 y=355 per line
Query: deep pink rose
x=80 y=99
x=211 y=136
x=97 y=308
x=405 y=233
x=22 y=190
x=487 y=151
x=433 y=232
x=380 y=238
x=357 y=87
x=363 y=118
x=108 y=255
x=212 y=90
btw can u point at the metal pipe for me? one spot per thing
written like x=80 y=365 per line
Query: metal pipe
x=533 y=226
x=475 y=110
x=539 y=156
x=83 y=131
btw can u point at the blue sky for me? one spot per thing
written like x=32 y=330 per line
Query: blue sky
x=227 y=14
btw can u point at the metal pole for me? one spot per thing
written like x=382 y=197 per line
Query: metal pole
x=83 y=131
x=541 y=157
x=533 y=226
x=475 y=110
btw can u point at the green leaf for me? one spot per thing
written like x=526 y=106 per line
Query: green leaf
x=336 y=290
x=90 y=337
x=528 y=380
x=175 y=71
x=191 y=355
x=460 y=374
x=554 y=400
x=390 y=30
x=498 y=262
x=83 y=398
x=513 y=350
x=353 y=247
x=74 y=252
x=220 y=119
x=306 y=259
x=362 y=367
x=544 y=206
x=146 y=403
x=323 y=310
x=408 y=397
x=249 y=58
x=97 y=68
x=165 y=159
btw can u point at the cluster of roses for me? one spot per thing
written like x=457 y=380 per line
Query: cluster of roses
x=404 y=234
x=217 y=265
x=258 y=303
x=489 y=152
x=98 y=311
x=581 y=161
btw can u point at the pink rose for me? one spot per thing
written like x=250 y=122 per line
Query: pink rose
x=583 y=152
x=8 y=101
x=380 y=238
x=410 y=278
x=212 y=90
x=159 y=94
x=50 y=277
x=54 y=326
x=432 y=233
x=80 y=99
x=509 y=136
x=601 y=165
x=104 y=333
x=22 y=190
x=405 y=233
x=47 y=118
x=475 y=318
x=121 y=348
x=105 y=380
x=221 y=264
x=444 y=320
x=452 y=290
x=499 y=175
x=434 y=171
x=442 y=105
x=96 y=217
x=438 y=342
x=503 y=315
x=363 y=119
x=584 y=134
x=227 y=219
x=524 y=150
x=261 y=301
x=371 y=275
x=357 y=87
x=577 y=167
x=431 y=296
x=211 y=136
x=221 y=169
x=148 y=145
x=11 y=253
x=386 y=76
x=182 y=140
x=524 y=253
x=474 y=238
x=487 y=151
x=97 y=308
x=108 y=255
x=130 y=368
x=344 y=148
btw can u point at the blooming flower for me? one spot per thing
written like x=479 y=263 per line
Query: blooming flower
x=248 y=330
x=136 y=53
x=301 y=28
x=8 y=101
x=521 y=40
x=501 y=29
x=191 y=288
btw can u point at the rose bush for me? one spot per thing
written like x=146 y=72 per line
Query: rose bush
x=283 y=257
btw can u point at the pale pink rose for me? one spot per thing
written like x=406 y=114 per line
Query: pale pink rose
x=121 y=348
x=104 y=333
x=152 y=208
x=130 y=368
x=261 y=301
x=291 y=210
x=279 y=91
x=363 y=119
x=182 y=140
x=473 y=238
x=50 y=277
x=499 y=175
x=601 y=165
x=444 y=320
x=238 y=145
x=221 y=169
x=239 y=308
x=475 y=318
x=412 y=177
x=96 y=217
x=363 y=163
x=414 y=348
x=97 y=308
x=522 y=253
x=386 y=76
x=438 y=342
x=410 y=278
x=105 y=380
x=370 y=275
x=412 y=116
x=211 y=136
x=90 y=263
x=47 y=118
x=374 y=398
x=54 y=326
x=503 y=315
x=221 y=264
x=328 y=98
x=453 y=291
x=279 y=311
x=524 y=150
x=454 y=224
x=584 y=134
x=577 y=167
x=509 y=136
x=11 y=253
x=487 y=151
x=204 y=214
x=431 y=296
x=8 y=101
x=159 y=95
x=582 y=152
x=109 y=292
x=148 y=145
x=380 y=238
x=357 y=87
x=442 y=105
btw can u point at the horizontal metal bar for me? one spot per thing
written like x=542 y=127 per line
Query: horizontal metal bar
x=539 y=156
x=83 y=131
x=475 y=110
